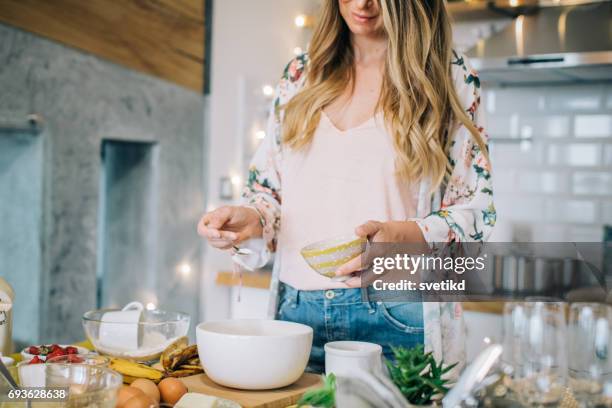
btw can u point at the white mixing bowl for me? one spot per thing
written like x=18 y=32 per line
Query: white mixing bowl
x=254 y=354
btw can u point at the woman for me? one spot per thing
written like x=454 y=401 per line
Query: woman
x=379 y=122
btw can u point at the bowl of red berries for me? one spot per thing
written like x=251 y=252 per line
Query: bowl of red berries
x=38 y=354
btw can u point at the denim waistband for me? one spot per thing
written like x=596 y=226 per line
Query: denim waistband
x=349 y=295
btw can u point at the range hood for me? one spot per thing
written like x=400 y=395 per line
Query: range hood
x=564 y=43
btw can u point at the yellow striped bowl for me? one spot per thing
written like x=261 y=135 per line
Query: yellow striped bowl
x=326 y=256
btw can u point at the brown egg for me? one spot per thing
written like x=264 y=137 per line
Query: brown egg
x=171 y=390
x=125 y=393
x=140 y=401
x=148 y=387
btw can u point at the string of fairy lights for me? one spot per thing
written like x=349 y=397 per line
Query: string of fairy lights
x=301 y=21
x=229 y=187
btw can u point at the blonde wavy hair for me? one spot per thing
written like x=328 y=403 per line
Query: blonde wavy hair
x=418 y=96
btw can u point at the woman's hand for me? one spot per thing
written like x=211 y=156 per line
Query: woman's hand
x=228 y=226
x=375 y=231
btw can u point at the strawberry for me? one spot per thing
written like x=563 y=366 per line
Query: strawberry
x=71 y=350
x=55 y=347
x=33 y=350
x=36 y=360
x=74 y=359
x=57 y=352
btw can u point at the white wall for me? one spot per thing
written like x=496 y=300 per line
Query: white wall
x=252 y=40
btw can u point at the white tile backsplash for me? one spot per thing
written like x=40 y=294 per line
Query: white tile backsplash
x=606 y=212
x=543 y=182
x=574 y=154
x=579 y=211
x=573 y=98
x=585 y=234
x=552 y=232
x=608 y=155
x=520 y=209
x=507 y=100
x=559 y=186
x=593 y=125
x=504 y=181
x=550 y=126
x=516 y=156
x=502 y=125
x=597 y=183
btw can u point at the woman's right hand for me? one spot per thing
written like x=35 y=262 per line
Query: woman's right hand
x=227 y=226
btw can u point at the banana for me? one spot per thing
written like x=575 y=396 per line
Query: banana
x=172 y=351
x=191 y=367
x=193 y=361
x=180 y=357
x=131 y=370
x=180 y=372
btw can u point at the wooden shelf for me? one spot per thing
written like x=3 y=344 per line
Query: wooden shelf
x=484 y=307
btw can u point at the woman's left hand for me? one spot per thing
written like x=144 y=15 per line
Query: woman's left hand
x=390 y=231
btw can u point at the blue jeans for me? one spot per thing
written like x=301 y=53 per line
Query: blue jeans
x=341 y=314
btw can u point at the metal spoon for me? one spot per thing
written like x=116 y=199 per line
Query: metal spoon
x=241 y=251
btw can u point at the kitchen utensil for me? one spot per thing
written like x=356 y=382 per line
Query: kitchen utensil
x=590 y=361
x=254 y=354
x=344 y=358
x=278 y=398
x=369 y=390
x=326 y=256
x=472 y=376
x=542 y=375
x=88 y=385
x=27 y=356
x=156 y=330
x=528 y=275
x=115 y=334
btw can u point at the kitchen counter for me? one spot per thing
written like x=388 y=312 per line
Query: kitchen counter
x=261 y=280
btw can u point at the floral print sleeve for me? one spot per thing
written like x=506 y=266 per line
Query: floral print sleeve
x=263 y=187
x=466 y=212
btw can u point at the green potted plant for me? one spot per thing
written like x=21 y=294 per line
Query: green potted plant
x=324 y=397
x=418 y=376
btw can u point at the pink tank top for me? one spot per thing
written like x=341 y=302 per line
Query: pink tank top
x=343 y=179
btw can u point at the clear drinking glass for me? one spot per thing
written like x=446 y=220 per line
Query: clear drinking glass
x=513 y=330
x=541 y=375
x=590 y=362
x=89 y=386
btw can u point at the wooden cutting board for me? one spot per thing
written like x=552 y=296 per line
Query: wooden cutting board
x=278 y=398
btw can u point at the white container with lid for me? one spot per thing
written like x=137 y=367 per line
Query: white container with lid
x=7 y=297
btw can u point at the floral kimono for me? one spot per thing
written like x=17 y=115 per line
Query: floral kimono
x=460 y=211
